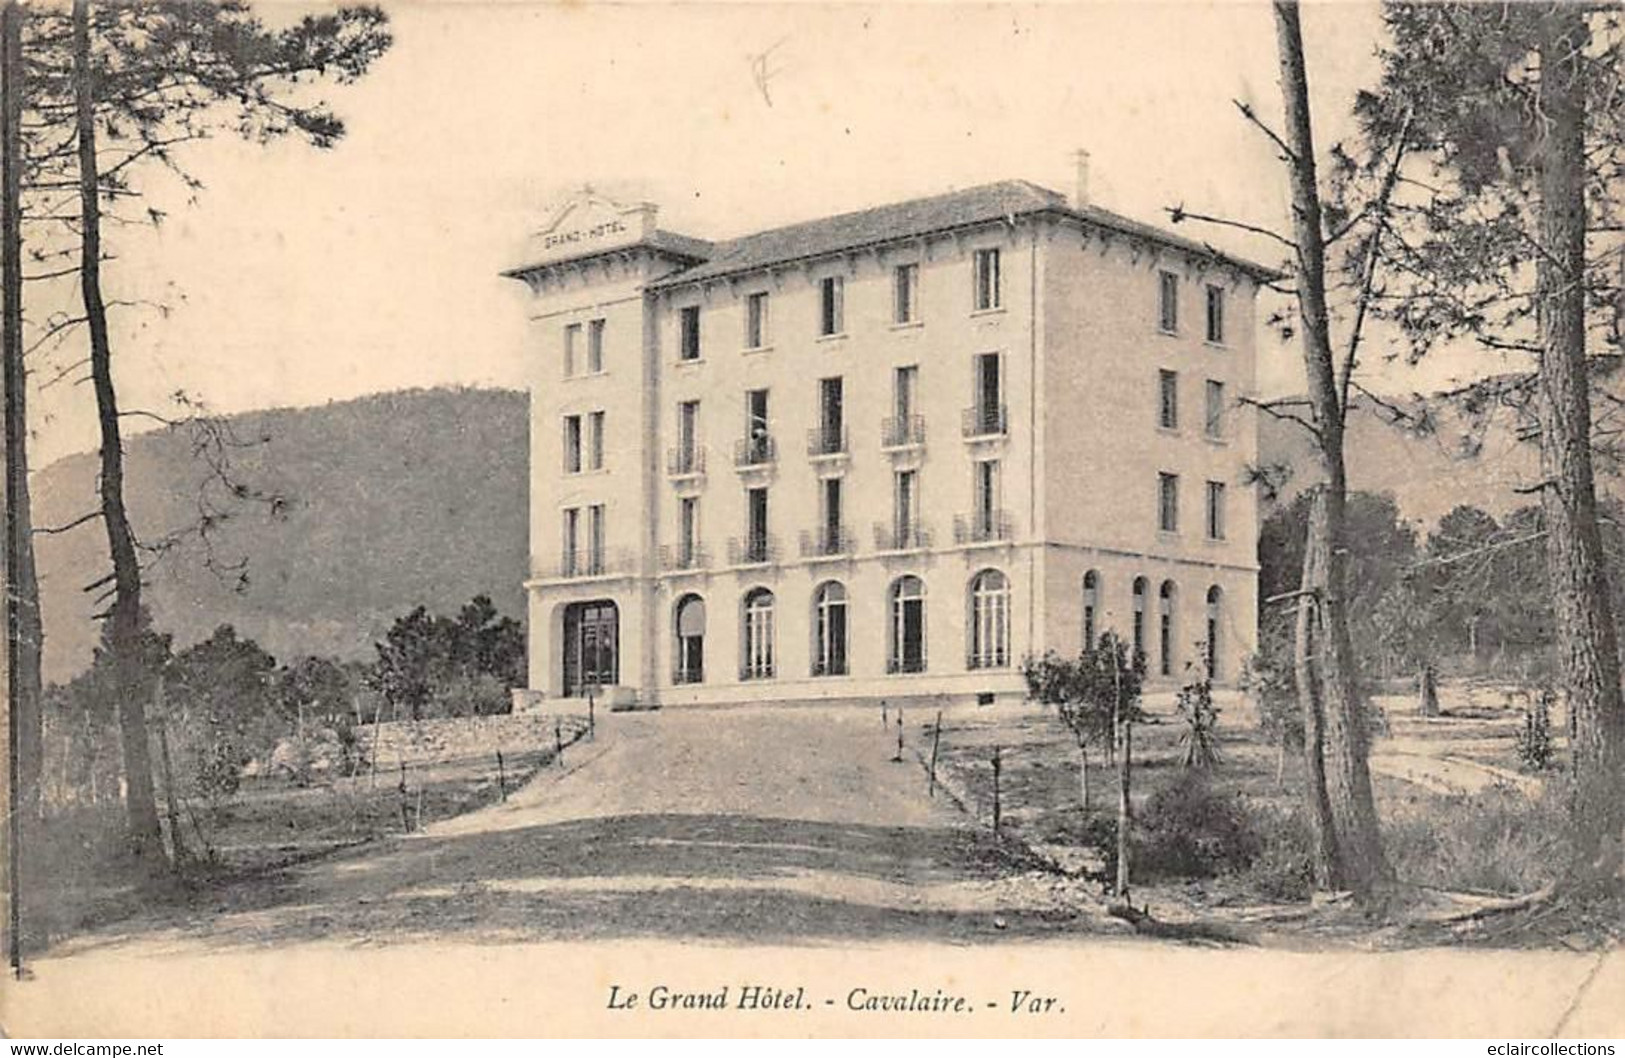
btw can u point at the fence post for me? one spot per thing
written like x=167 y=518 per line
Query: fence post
x=936 y=740
x=406 y=823
x=502 y=777
x=592 y=724
x=417 y=815
x=558 y=741
x=899 y=758
x=377 y=722
x=885 y=716
x=997 y=807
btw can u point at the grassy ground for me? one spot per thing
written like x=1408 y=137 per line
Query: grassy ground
x=1487 y=835
x=82 y=876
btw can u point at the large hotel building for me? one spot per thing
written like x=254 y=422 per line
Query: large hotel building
x=885 y=454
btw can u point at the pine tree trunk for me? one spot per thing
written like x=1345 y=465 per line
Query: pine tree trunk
x=1305 y=668
x=26 y=684
x=1327 y=678
x=124 y=616
x=1588 y=658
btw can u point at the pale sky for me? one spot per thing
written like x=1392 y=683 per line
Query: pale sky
x=304 y=276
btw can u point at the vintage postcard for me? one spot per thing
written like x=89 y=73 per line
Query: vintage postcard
x=745 y=519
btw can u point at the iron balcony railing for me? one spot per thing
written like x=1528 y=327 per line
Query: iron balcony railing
x=756 y=670
x=826 y=541
x=588 y=562
x=826 y=441
x=755 y=549
x=982 y=527
x=991 y=658
x=909 y=536
x=902 y=431
x=675 y=557
x=757 y=451
x=985 y=420
x=683 y=674
x=685 y=462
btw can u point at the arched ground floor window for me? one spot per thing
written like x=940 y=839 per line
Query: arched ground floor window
x=989 y=646
x=757 y=663
x=905 y=647
x=689 y=661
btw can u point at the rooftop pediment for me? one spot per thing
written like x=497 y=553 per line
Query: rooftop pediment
x=589 y=223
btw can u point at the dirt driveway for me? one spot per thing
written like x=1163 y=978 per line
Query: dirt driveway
x=748 y=825
x=708 y=850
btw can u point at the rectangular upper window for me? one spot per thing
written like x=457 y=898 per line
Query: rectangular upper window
x=1168 y=399
x=906 y=293
x=570 y=539
x=986 y=279
x=831 y=415
x=756 y=320
x=595 y=347
x=688 y=528
x=688 y=429
x=572 y=444
x=756 y=521
x=595 y=441
x=1168 y=502
x=1215 y=408
x=595 y=539
x=1215 y=315
x=1215 y=510
x=1168 y=302
x=572 y=349
x=831 y=307
x=688 y=341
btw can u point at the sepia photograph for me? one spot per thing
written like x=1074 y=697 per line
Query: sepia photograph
x=570 y=519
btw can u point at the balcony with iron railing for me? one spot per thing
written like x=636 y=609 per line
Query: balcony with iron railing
x=682 y=674
x=756 y=670
x=902 y=431
x=826 y=541
x=985 y=420
x=753 y=550
x=675 y=558
x=901 y=536
x=591 y=562
x=759 y=450
x=685 y=461
x=993 y=657
x=982 y=527
x=826 y=441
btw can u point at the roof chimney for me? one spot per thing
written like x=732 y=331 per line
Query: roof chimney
x=1080 y=189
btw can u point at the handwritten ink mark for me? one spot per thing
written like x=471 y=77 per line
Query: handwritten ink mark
x=762 y=74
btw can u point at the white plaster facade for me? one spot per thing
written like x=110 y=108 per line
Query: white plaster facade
x=1077 y=428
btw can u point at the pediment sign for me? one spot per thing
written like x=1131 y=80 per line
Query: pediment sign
x=589 y=224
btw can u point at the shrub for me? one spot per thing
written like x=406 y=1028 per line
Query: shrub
x=1498 y=840
x=1189 y=830
x=1201 y=716
x=476 y=694
x=1284 y=869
